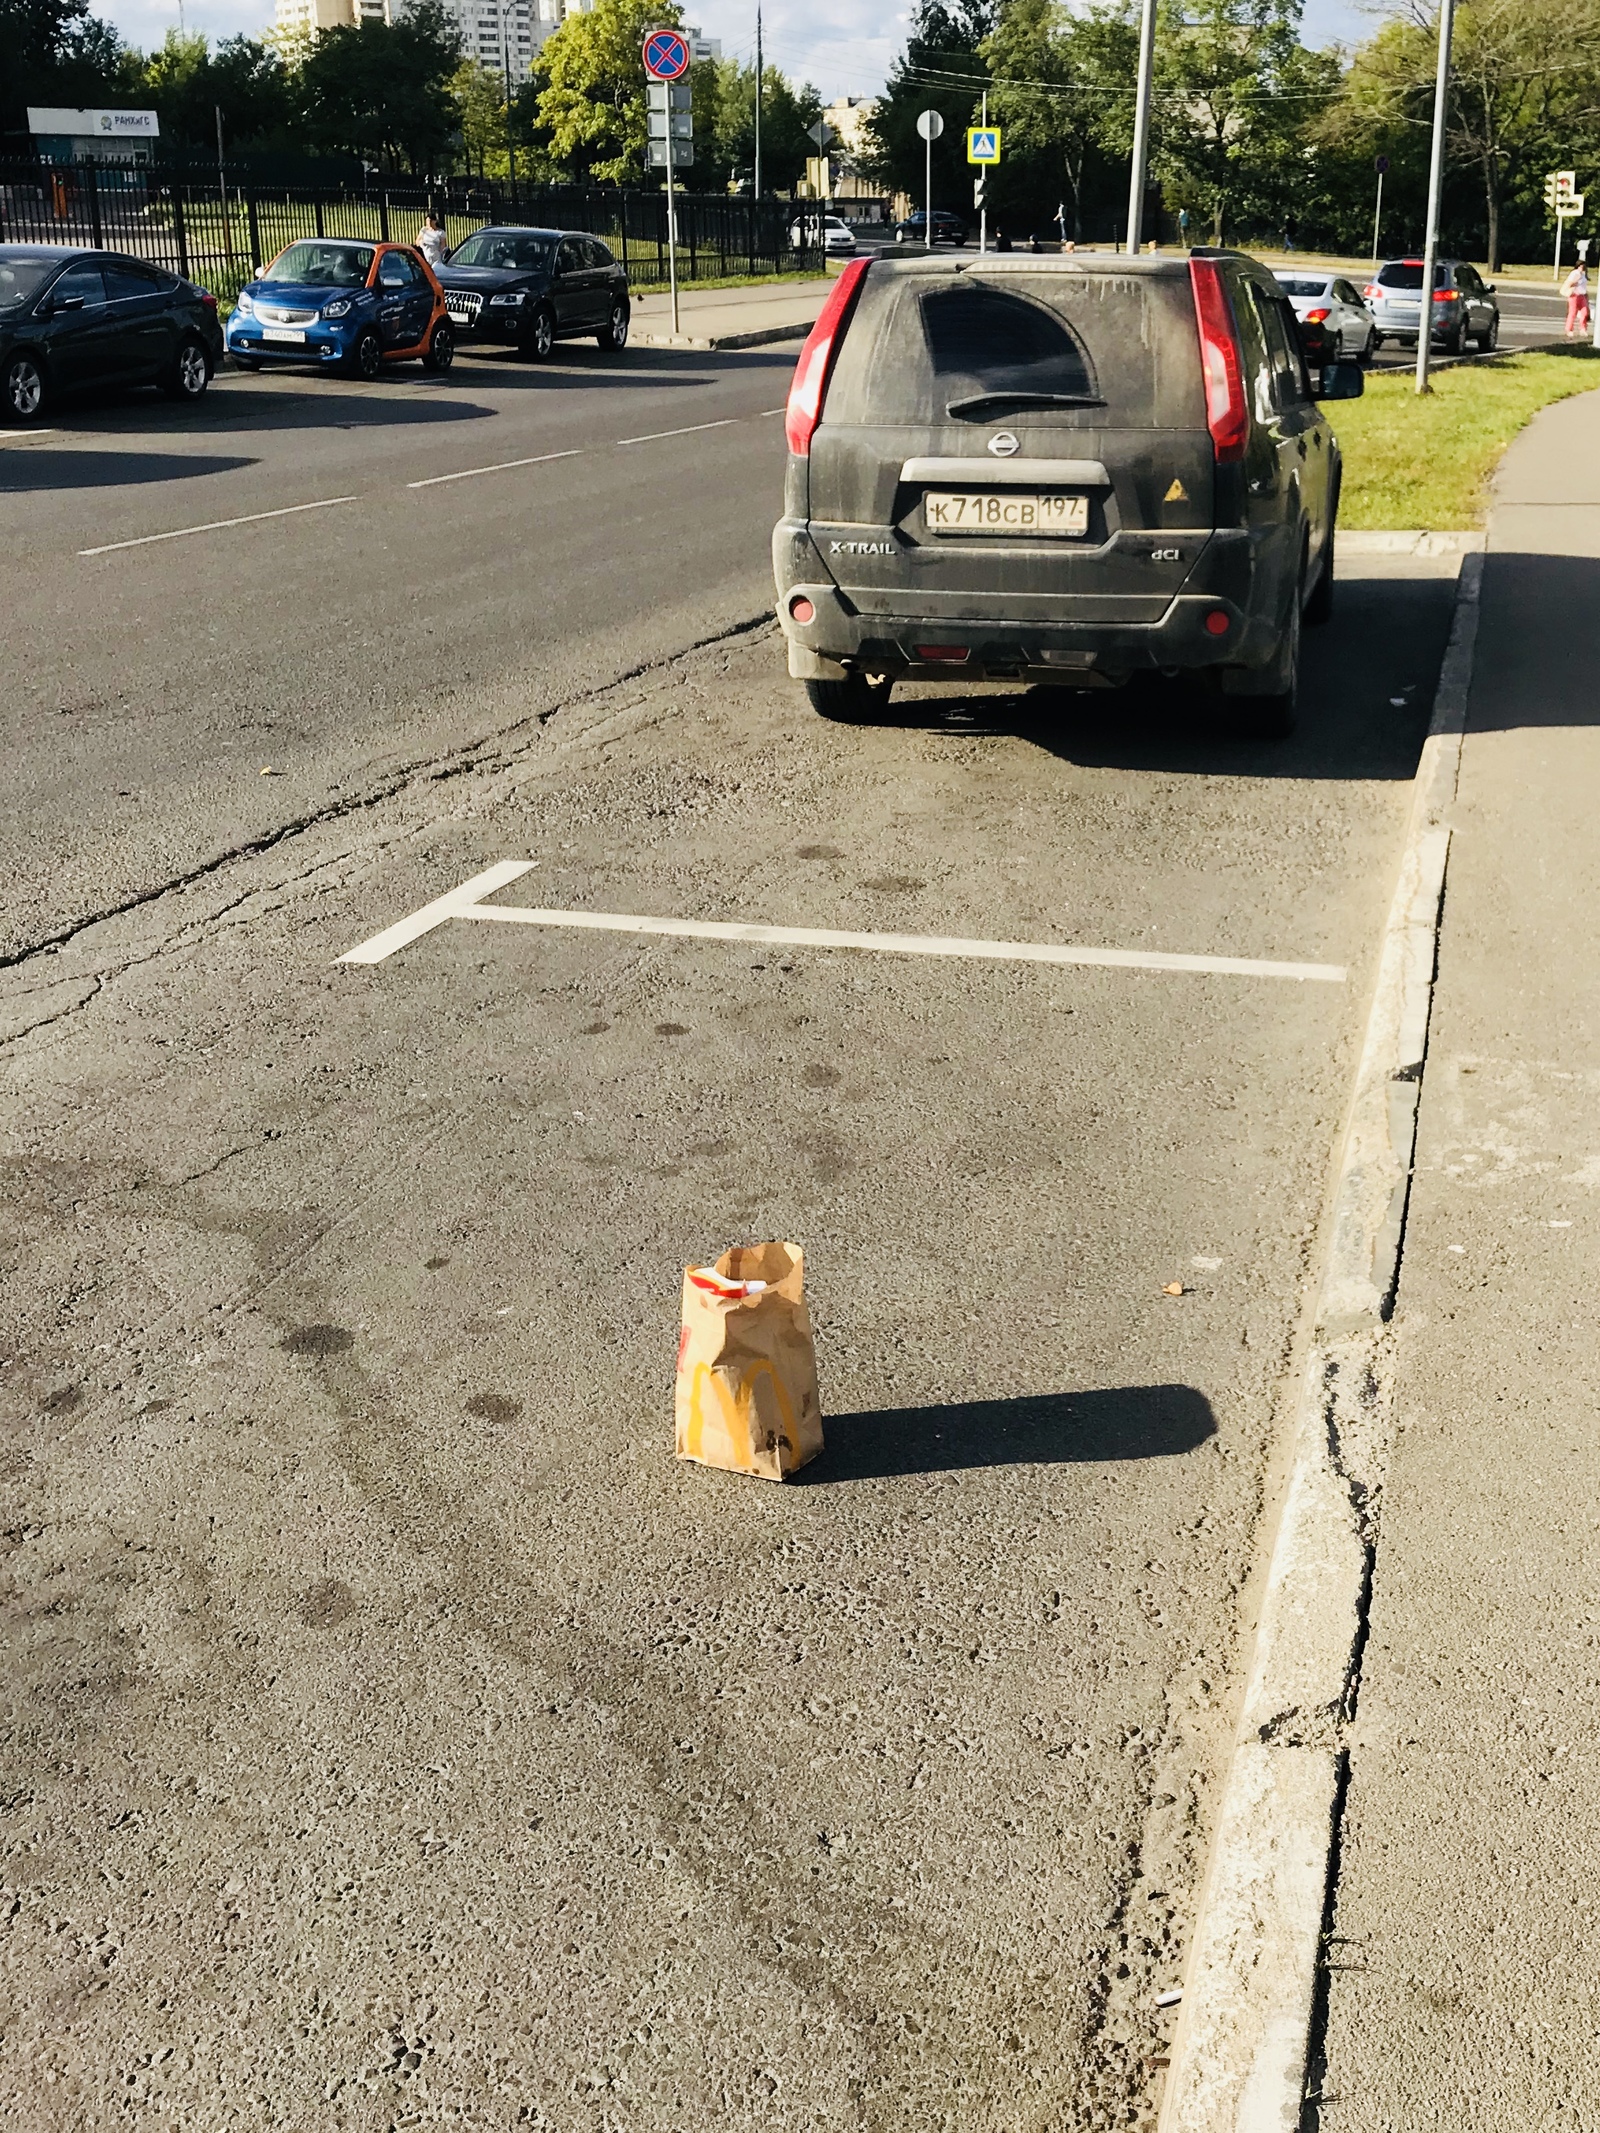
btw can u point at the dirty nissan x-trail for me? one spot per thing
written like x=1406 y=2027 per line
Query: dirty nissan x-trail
x=1065 y=470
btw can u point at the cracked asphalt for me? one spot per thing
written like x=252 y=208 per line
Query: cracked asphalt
x=395 y=1734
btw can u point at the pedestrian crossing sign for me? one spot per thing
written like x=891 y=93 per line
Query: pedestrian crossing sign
x=983 y=144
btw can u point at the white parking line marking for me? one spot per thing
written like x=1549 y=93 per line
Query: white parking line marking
x=726 y=423
x=766 y=411
x=457 y=903
x=216 y=525
x=27 y=436
x=467 y=902
x=500 y=467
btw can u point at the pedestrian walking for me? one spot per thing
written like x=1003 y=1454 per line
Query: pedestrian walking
x=432 y=242
x=1576 y=291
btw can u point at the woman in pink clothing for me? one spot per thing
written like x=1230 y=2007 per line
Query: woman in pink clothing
x=1576 y=291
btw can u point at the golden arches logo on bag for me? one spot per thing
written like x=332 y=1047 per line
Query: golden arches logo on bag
x=739 y=1413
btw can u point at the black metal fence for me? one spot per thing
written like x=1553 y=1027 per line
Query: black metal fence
x=213 y=230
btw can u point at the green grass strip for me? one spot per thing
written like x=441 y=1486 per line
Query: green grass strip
x=1425 y=464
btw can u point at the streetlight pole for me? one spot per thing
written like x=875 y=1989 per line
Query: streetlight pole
x=1441 y=101
x=505 y=61
x=758 y=105
x=1141 y=125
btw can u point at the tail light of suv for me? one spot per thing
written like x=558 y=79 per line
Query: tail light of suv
x=804 y=410
x=1227 y=415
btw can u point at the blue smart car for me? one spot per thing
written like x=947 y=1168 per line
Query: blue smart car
x=342 y=305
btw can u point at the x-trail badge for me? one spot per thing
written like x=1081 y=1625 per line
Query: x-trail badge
x=1003 y=444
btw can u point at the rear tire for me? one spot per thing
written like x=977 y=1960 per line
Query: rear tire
x=1272 y=717
x=441 y=349
x=189 y=375
x=1369 y=351
x=853 y=701
x=1489 y=339
x=24 y=393
x=613 y=335
x=1319 y=608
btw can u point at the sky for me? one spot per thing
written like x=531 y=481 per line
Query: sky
x=844 y=47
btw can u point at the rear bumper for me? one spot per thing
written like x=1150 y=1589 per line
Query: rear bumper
x=1245 y=588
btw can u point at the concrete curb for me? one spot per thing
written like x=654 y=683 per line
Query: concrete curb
x=1412 y=543
x=1240 y=2053
x=755 y=339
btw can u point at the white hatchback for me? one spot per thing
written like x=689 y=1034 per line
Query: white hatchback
x=1328 y=300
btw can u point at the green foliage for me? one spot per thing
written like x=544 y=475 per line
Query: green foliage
x=942 y=69
x=1524 y=96
x=56 y=52
x=1061 y=95
x=479 y=96
x=188 y=83
x=786 y=115
x=382 y=91
x=591 y=88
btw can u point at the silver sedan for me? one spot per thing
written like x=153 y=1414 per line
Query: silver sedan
x=1330 y=301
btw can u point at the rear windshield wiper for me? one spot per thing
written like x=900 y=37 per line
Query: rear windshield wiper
x=984 y=404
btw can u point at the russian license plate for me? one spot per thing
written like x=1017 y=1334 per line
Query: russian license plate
x=283 y=333
x=1007 y=511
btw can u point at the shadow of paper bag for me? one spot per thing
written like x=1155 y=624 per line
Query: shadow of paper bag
x=747 y=1373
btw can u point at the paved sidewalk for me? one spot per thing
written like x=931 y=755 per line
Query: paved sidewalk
x=1464 y=1967
x=730 y=318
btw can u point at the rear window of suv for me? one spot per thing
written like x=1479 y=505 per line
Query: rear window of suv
x=1407 y=274
x=987 y=346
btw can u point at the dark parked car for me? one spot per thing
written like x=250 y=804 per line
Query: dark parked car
x=532 y=288
x=1465 y=307
x=1066 y=469
x=72 y=319
x=947 y=228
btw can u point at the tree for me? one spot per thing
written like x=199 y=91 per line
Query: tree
x=188 y=84
x=56 y=52
x=1524 y=94
x=787 y=115
x=382 y=91
x=479 y=95
x=942 y=69
x=1062 y=93
x=591 y=88
x=1236 y=93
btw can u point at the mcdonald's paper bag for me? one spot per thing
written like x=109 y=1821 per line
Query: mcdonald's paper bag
x=747 y=1373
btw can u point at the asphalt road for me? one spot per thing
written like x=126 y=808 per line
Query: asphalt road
x=150 y=685
x=397 y=1734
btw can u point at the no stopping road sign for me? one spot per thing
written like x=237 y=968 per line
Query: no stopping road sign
x=666 y=55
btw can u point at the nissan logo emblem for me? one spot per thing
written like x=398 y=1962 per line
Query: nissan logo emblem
x=1003 y=444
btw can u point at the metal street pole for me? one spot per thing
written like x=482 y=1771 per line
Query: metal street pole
x=505 y=61
x=672 y=225
x=1430 y=249
x=983 y=212
x=222 y=189
x=1377 y=212
x=758 y=105
x=1141 y=125
x=928 y=190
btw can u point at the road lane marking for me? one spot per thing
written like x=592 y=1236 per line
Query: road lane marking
x=217 y=525
x=467 y=902
x=766 y=411
x=726 y=423
x=500 y=467
x=456 y=903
